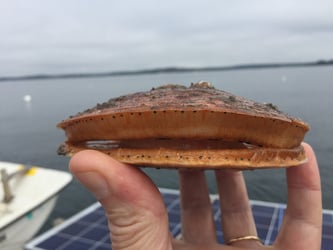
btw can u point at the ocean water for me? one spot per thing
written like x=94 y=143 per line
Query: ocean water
x=28 y=132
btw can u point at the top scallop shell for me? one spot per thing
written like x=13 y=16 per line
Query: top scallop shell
x=178 y=112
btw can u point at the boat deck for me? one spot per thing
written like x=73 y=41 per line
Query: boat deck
x=89 y=230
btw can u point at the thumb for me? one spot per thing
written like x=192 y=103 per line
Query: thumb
x=133 y=205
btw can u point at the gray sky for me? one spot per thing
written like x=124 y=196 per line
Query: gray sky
x=88 y=36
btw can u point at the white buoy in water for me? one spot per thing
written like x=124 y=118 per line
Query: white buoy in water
x=284 y=78
x=27 y=98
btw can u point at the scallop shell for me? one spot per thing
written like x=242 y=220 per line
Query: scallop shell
x=194 y=127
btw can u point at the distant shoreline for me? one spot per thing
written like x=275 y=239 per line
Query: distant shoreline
x=166 y=70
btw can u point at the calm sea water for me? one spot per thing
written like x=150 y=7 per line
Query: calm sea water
x=28 y=133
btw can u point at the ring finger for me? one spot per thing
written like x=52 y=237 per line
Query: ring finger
x=236 y=213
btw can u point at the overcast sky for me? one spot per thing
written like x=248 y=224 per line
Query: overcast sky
x=88 y=36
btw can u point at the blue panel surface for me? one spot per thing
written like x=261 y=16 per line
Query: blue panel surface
x=89 y=229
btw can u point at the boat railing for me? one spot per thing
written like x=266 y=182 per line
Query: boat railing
x=5 y=178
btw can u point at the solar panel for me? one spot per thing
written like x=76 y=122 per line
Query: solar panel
x=89 y=229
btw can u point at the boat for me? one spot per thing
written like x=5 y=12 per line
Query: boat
x=28 y=195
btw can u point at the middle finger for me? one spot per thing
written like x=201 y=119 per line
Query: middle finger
x=197 y=217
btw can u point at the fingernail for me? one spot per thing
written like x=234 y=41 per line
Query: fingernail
x=95 y=183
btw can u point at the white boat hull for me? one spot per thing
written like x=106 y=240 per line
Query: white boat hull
x=16 y=234
x=34 y=197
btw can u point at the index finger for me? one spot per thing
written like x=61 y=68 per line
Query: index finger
x=302 y=225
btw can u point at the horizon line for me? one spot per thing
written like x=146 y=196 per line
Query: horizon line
x=161 y=70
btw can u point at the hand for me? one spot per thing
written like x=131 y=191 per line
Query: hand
x=138 y=218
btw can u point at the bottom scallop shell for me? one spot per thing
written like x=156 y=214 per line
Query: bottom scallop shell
x=200 y=154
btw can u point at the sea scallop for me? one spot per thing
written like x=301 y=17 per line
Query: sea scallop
x=174 y=126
